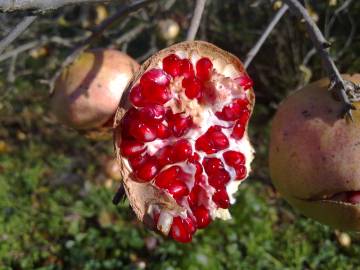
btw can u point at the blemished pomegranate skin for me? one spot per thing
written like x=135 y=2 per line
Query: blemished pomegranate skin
x=315 y=154
x=181 y=137
x=87 y=93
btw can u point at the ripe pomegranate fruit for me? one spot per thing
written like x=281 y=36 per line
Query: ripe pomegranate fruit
x=314 y=155
x=181 y=137
x=87 y=93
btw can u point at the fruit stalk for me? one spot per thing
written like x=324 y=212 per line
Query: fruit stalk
x=337 y=83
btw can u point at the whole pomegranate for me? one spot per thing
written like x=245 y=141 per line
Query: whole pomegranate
x=88 y=92
x=314 y=155
x=181 y=137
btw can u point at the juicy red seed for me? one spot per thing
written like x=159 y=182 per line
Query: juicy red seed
x=166 y=177
x=137 y=161
x=190 y=224
x=240 y=172
x=212 y=165
x=186 y=69
x=192 y=87
x=154 y=85
x=238 y=130
x=219 y=179
x=353 y=197
x=194 y=157
x=212 y=141
x=180 y=124
x=203 y=68
x=172 y=65
x=136 y=97
x=221 y=198
x=162 y=131
x=152 y=112
x=146 y=171
x=202 y=216
x=194 y=195
x=182 y=150
x=178 y=189
x=126 y=122
x=142 y=131
x=179 y=231
x=164 y=156
x=131 y=148
x=233 y=158
x=233 y=111
x=244 y=81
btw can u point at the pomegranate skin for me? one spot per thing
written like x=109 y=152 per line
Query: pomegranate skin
x=314 y=155
x=87 y=93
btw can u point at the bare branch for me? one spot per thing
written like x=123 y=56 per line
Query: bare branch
x=17 y=31
x=195 y=21
x=321 y=45
x=123 y=11
x=252 y=53
x=42 y=5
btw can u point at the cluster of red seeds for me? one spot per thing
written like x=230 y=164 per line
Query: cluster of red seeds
x=150 y=120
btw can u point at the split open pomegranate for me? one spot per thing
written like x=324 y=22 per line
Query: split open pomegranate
x=181 y=137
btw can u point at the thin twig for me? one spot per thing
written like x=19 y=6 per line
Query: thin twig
x=123 y=11
x=195 y=21
x=252 y=53
x=17 y=31
x=321 y=45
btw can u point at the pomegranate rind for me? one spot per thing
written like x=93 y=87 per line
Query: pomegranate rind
x=314 y=155
x=87 y=93
x=140 y=194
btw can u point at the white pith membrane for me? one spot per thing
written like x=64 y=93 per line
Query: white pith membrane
x=222 y=79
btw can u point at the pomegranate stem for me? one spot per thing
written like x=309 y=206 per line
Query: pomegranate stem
x=337 y=83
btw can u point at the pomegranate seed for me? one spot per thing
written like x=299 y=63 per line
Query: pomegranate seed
x=194 y=157
x=233 y=158
x=192 y=87
x=212 y=141
x=233 y=111
x=178 y=189
x=186 y=69
x=244 y=81
x=219 y=179
x=131 y=148
x=154 y=85
x=190 y=224
x=142 y=131
x=179 y=231
x=182 y=150
x=203 y=68
x=172 y=65
x=162 y=131
x=152 y=112
x=353 y=197
x=166 y=177
x=221 y=198
x=126 y=122
x=212 y=165
x=238 y=130
x=180 y=124
x=164 y=156
x=202 y=216
x=136 y=97
x=240 y=172
x=146 y=171
x=193 y=198
x=136 y=161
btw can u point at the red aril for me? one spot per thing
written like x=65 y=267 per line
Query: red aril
x=186 y=155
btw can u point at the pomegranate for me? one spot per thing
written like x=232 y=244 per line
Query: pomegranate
x=181 y=137
x=314 y=155
x=88 y=92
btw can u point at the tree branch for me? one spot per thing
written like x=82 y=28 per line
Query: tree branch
x=252 y=53
x=41 y=5
x=195 y=21
x=336 y=81
x=123 y=11
x=17 y=31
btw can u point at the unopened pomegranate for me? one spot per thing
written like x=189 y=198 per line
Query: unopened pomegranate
x=314 y=156
x=88 y=92
x=181 y=137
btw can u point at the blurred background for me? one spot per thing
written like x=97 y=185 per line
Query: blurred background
x=56 y=186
